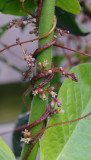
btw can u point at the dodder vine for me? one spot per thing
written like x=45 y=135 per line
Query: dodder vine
x=41 y=72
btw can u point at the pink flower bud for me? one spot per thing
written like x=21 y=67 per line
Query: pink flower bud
x=52 y=103
x=40 y=90
x=59 y=103
x=50 y=71
x=51 y=88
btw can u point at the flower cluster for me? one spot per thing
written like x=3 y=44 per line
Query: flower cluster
x=18 y=23
x=42 y=95
x=61 y=32
x=67 y=75
x=42 y=66
x=43 y=73
x=27 y=137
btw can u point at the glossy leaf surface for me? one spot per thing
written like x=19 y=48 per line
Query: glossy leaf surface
x=14 y=7
x=5 y=152
x=71 y=141
x=67 y=21
x=71 y=6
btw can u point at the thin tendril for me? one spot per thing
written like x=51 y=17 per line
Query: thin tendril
x=72 y=50
x=42 y=130
x=24 y=97
x=27 y=11
x=11 y=52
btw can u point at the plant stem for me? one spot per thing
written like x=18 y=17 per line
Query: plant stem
x=38 y=105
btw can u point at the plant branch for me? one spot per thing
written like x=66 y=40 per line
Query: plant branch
x=75 y=120
x=57 y=45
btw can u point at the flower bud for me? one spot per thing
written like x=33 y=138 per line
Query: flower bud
x=52 y=103
x=59 y=103
x=51 y=88
x=43 y=96
x=50 y=71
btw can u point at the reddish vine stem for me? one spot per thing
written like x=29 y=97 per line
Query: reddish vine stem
x=33 y=70
x=46 y=35
x=44 y=82
x=38 y=76
x=22 y=2
x=25 y=126
x=68 y=58
x=47 y=45
x=57 y=45
x=39 y=11
x=11 y=52
x=42 y=130
x=41 y=119
x=45 y=115
x=24 y=97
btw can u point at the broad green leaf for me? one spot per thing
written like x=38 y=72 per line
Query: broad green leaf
x=67 y=21
x=5 y=152
x=71 y=6
x=14 y=7
x=71 y=141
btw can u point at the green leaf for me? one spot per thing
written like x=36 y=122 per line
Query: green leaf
x=14 y=7
x=71 y=6
x=5 y=152
x=71 y=141
x=67 y=21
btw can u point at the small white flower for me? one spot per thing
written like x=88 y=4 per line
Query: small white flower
x=52 y=103
x=26 y=134
x=26 y=140
x=60 y=68
x=24 y=22
x=61 y=111
x=35 y=92
x=50 y=71
x=29 y=16
x=28 y=58
x=53 y=94
x=43 y=96
x=45 y=63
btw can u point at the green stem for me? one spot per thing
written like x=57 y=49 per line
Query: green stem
x=38 y=105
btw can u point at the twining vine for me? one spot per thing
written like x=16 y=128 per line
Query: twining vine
x=41 y=72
